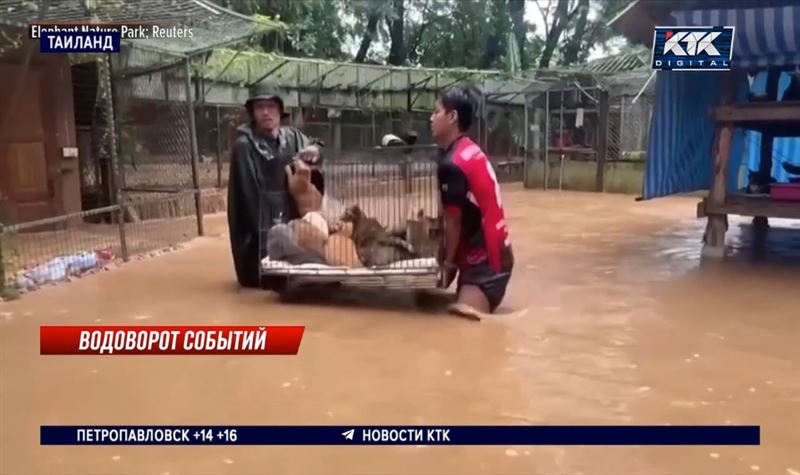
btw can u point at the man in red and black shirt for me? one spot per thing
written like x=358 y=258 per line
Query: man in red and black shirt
x=477 y=244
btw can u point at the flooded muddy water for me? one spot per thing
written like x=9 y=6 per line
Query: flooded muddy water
x=617 y=322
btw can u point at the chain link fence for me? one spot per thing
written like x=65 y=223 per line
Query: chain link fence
x=634 y=126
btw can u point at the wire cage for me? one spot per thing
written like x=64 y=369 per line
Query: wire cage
x=378 y=225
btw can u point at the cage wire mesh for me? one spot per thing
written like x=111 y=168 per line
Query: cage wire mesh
x=628 y=128
x=210 y=24
x=155 y=149
x=352 y=106
x=635 y=125
x=379 y=224
x=629 y=121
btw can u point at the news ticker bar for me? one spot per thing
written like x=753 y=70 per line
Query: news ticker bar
x=170 y=340
x=400 y=435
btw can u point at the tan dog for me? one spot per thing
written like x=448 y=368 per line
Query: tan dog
x=308 y=236
x=305 y=194
x=340 y=250
x=424 y=234
x=376 y=247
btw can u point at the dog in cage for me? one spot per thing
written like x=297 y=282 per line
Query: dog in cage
x=295 y=243
x=424 y=234
x=340 y=250
x=299 y=176
x=375 y=246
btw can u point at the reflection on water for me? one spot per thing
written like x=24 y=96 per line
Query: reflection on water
x=624 y=324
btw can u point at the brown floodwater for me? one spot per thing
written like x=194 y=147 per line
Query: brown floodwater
x=615 y=321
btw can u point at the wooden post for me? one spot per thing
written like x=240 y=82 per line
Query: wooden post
x=765 y=164
x=602 y=140
x=336 y=122
x=219 y=149
x=525 y=141
x=198 y=199
x=546 y=160
x=117 y=180
x=561 y=141
x=718 y=223
x=2 y=264
x=767 y=140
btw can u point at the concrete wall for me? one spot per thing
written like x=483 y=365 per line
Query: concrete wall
x=580 y=175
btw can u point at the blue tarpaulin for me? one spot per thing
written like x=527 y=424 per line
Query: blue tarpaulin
x=682 y=131
x=783 y=149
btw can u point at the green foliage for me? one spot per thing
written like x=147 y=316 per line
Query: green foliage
x=314 y=27
x=9 y=41
x=436 y=33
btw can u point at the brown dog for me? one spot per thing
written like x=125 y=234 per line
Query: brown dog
x=375 y=246
x=340 y=250
x=307 y=197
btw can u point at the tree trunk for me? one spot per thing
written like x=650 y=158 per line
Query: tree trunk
x=493 y=48
x=575 y=43
x=366 y=41
x=560 y=20
x=516 y=10
x=397 y=54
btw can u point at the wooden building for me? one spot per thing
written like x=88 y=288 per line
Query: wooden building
x=703 y=122
x=50 y=135
x=38 y=156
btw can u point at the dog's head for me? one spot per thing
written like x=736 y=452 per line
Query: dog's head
x=353 y=214
x=301 y=166
x=424 y=227
x=343 y=228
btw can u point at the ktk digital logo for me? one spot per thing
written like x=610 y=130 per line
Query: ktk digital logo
x=692 y=48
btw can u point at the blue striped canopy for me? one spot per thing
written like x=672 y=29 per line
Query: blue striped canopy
x=762 y=36
x=679 y=152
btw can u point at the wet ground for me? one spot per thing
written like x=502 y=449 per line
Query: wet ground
x=619 y=324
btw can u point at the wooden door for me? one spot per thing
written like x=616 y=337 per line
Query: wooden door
x=24 y=180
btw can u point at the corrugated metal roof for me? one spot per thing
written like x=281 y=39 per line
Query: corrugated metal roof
x=619 y=63
x=211 y=24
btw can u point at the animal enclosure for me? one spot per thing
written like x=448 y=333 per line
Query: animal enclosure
x=379 y=223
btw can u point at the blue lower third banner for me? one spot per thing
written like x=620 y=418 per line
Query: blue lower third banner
x=80 y=42
x=400 y=435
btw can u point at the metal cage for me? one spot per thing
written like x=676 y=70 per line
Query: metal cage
x=395 y=187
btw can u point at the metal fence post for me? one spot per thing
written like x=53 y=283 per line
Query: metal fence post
x=219 y=150
x=116 y=180
x=2 y=262
x=602 y=152
x=198 y=202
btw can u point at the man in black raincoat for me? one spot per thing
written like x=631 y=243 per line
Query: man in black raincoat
x=257 y=186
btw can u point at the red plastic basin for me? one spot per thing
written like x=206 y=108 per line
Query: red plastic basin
x=785 y=191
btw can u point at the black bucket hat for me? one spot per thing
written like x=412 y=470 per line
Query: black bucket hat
x=265 y=97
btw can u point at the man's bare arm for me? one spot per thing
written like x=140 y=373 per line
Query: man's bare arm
x=452 y=236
